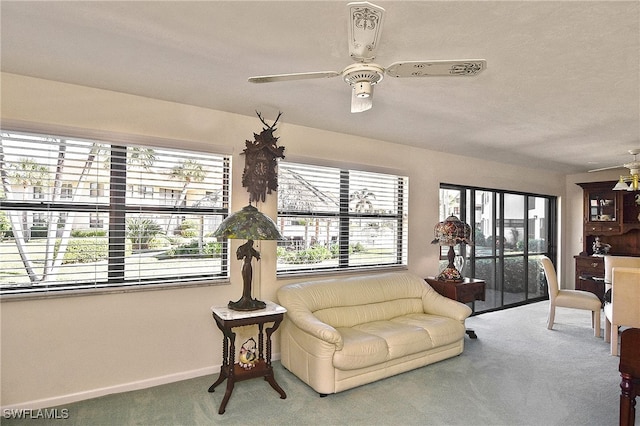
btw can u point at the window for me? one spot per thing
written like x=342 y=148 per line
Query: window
x=88 y=231
x=335 y=219
x=96 y=189
x=169 y=197
x=95 y=221
x=66 y=191
x=511 y=232
x=37 y=193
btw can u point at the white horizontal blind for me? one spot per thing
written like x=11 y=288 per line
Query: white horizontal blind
x=335 y=219
x=80 y=214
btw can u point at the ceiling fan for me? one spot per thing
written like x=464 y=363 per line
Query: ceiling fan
x=633 y=166
x=633 y=178
x=365 y=27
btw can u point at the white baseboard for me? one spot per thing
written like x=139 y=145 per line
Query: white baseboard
x=124 y=387
x=56 y=401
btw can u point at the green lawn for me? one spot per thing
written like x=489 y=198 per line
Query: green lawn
x=143 y=265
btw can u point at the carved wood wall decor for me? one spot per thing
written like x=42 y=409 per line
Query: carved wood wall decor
x=260 y=176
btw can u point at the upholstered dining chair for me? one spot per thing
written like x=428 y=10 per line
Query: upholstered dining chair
x=611 y=262
x=564 y=298
x=624 y=309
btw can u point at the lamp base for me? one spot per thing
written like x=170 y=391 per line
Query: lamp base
x=450 y=274
x=247 y=304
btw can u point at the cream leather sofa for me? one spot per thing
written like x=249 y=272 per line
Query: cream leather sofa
x=345 y=332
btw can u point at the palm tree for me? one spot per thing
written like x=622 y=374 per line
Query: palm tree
x=28 y=173
x=188 y=171
x=25 y=173
x=143 y=158
x=362 y=200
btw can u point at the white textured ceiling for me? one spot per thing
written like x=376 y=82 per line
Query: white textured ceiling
x=561 y=90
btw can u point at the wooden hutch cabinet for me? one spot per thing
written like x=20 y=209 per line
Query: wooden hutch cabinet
x=614 y=217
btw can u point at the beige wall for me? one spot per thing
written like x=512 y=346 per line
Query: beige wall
x=57 y=350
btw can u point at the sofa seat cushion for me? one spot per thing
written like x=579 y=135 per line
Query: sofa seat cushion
x=360 y=350
x=402 y=339
x=442 y=330
x=379 y=341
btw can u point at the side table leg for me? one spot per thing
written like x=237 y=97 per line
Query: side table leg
x=224 y=369
x=220 y=379
x=269 y=377
x=227 y=395
x=228 y=363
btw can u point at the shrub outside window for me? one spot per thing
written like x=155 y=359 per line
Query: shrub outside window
x=88 y=229
x=336 y=219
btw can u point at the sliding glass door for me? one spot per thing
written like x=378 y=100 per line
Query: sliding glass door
x=511 y=232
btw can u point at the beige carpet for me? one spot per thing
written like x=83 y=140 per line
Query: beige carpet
x=516 y=373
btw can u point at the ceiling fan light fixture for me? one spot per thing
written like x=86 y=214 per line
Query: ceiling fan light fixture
x=621 y=185
x=363 y=89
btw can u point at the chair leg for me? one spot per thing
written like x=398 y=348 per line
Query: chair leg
x=595 y=321
x=552 y=314
x=607 y=330
x=614 y=339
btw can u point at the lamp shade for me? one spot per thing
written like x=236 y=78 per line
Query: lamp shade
x=452 y=231
x=621 y=185
x=248 y=224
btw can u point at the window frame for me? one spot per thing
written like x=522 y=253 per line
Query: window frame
x=344 y=215
x=116 y=281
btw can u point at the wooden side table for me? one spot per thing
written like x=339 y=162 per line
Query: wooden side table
x=226 y=319
x=467 y=291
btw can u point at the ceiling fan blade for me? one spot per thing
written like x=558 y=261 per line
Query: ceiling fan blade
x=462 y=68
x=365 y=28
x=359 y=104
x=293 y=76
x=605 y=168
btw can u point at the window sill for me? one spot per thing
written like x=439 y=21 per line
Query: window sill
x=333 y=273
x=109 y=290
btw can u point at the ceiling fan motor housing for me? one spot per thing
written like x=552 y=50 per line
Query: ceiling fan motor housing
x=361 y=77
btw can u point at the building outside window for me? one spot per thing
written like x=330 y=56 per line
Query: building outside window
x=337 y=219
x=66 y=191
x=511 y=232
x=94 y=233
x=96 y=189
x=38 y=194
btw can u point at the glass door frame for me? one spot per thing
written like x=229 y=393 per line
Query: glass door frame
x=467 y=213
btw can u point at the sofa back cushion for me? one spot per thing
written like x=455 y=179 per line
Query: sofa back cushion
x=347 y=302
x=350 y=316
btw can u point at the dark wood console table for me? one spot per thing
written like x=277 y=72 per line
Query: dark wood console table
x=226 y=319
x=590 y=275
x=467 y=291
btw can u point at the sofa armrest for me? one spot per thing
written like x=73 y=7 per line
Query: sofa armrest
x=434 y=303
x=300 y=315
x=309 y=323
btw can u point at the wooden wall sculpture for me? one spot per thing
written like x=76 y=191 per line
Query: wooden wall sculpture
x=260 y=176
